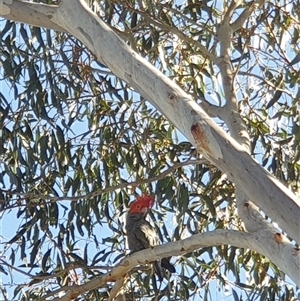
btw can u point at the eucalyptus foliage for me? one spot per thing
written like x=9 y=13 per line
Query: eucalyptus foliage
x=78 y=144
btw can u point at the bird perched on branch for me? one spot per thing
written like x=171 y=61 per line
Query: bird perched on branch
x=141 y=235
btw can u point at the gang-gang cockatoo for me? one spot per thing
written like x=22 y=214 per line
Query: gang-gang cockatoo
x=141 y=235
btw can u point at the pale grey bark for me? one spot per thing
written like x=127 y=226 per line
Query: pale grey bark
x=271 y=248
x=218 y=147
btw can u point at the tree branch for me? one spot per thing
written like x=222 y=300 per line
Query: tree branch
x=115 y=292
x=218 y=147
x=230 y=10
x=275 y=247
x=238 y=23
x=250 y=214
x=34 y=197
x=230 y=111
x=180 y=35
x=36 y=14
x=267 y=82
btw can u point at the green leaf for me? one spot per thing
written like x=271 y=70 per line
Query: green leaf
x=33 y=254
x=45 y=260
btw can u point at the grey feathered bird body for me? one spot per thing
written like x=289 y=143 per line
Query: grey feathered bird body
x=141 y=235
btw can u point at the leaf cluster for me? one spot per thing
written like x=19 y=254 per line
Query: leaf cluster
x=77 y=145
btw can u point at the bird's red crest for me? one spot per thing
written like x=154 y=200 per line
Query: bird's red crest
x=144 y=201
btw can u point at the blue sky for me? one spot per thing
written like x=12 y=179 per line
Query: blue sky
x=9 y=224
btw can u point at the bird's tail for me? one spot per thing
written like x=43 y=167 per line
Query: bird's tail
x=158 y=271
x=165 y=263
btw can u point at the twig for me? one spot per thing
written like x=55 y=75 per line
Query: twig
x=238 y=23
x=171 y=169
x=280 y=250
x=115 y=292
x=230 y=112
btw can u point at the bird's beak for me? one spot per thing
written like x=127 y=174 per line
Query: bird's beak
x=145 y=211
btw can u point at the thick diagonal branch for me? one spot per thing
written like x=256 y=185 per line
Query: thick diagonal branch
x=218 y=147
x=272 y=245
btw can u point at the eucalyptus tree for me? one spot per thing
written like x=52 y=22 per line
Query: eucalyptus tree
x=196 y=103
